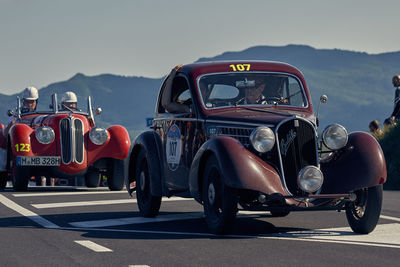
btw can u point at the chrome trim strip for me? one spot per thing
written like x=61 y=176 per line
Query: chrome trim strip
x=294 y=117
x=252 y=72
x=177 y=119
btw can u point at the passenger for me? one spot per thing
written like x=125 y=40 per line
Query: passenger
x=29 y=99
x=396 y=83
x=375 y=129
x=69 y=101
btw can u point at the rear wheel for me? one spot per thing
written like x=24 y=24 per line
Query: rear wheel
x=115 y=174
x=92 y=179
x=219 y=200
x=3 y=180
x=149 y=205
x=363 y=214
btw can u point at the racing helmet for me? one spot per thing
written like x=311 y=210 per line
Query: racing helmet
x=69 y=97
x=30 y=93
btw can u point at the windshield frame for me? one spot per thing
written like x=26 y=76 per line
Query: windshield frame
x=307 y=105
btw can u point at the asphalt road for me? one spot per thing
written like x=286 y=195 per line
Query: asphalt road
x=68 y=226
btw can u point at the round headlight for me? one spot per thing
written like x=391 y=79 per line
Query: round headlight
x=335 y=136
x=310 y=179
x=98 y=135
x=263 y=139
x=45 y=135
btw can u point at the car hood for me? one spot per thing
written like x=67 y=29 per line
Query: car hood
x=257 y=115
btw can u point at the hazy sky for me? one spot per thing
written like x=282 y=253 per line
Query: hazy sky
x=45 y=41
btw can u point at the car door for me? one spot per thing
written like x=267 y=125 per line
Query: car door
x=176 y=124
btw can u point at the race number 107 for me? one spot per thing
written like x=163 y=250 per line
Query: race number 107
x=240 y=67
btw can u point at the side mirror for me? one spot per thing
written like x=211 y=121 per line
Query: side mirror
x=322 y=99
x=98 y=111
x=10 y=113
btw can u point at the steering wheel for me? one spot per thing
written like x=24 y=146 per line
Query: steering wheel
x=273 y=100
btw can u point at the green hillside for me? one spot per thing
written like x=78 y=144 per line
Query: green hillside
x=358 y=86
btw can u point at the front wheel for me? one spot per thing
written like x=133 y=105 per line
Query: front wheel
x=115 y=174
x=363 y=214
x=20 y=178
x=149 y=205
x=92 y=179
x=219 y=200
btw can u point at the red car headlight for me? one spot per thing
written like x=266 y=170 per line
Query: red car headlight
x=45 y=135
x=98 y=135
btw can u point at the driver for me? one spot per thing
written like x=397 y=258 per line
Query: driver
x=69 y=101
x=253 y=95
x=29 y=97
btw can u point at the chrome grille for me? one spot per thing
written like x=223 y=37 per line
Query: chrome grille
x=72 y=142
x=239 y=133
x=298 y=148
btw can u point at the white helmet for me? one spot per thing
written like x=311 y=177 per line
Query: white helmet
x=30 y=93
x=69 y=97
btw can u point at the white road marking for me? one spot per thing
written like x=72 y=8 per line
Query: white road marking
x=44 y=194
x=385 y=235
x=96 y=202
x=390 y=218
x=93 y=246
x=138 y=265
x=137 y=220
x=160 y=218
x=27 y=213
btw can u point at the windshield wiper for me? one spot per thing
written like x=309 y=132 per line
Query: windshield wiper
x=267 y=111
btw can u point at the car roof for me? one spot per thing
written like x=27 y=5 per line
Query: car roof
x=200 y=68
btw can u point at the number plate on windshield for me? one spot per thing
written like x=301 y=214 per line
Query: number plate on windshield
x=38 y=161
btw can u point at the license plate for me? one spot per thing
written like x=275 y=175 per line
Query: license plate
x=38 y=161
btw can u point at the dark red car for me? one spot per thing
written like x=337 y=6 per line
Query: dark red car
x=244 y=134
x=62 y=143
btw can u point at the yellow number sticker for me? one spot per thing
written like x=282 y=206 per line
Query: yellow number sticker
x=240 y=67
x=23 y=147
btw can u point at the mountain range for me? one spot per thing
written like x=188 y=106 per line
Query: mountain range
x=358 y=86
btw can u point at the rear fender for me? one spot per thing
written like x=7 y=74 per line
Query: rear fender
x=240 y=168
x=360 y=164
x=150 y=143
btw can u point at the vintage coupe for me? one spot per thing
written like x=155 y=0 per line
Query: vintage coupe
x=62 y=143
x=244 y=132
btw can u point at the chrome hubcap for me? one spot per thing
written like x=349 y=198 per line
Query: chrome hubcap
x=142 y=181
x=211 y=194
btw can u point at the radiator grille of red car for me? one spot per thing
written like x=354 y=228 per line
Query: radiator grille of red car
x=71 y=139
x=298 y=148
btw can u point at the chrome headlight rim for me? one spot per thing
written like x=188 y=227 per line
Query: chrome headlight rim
x=259 y=144
x=302 y=179
x=42 y=138
x=327 y=130
x=97 y=139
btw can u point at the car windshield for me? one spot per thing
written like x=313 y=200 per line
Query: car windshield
x=235 y=89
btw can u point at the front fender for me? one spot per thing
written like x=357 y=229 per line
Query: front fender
x=116 y=147
x=150 y=143
x=360 y=164
x=21 y=134
x=240 y=168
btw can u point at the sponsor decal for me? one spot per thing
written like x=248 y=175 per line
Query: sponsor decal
x=284 y=145
x=173 y=147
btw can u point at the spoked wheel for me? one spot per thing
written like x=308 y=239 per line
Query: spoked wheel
x=149 y=205
x=219 y=200
x=363 y=214
x=92 y=179
x=115 y=174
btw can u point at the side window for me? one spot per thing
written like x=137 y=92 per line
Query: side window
x=176 y=97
